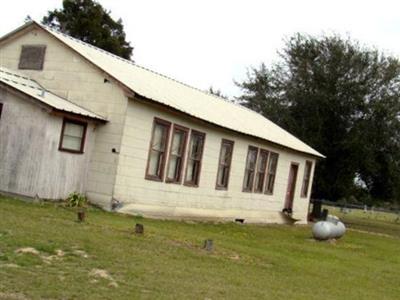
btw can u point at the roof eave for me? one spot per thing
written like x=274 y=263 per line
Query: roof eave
x=316 y=155
x=10 y=87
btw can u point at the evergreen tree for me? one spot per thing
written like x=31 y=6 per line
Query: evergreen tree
x=88 y=21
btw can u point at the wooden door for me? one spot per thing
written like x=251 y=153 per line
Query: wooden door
x=291 y=186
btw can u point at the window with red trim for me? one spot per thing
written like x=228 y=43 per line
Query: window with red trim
x=158 y=150
x=224 y=166
x=73 y=134
x=177 y=154
x=250 y=169
x=271 y=174
x=194 y=159
x=261 y=171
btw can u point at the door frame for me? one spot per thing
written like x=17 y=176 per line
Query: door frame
x=289 y=198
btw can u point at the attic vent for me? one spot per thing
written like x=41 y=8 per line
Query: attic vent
x=32 y=57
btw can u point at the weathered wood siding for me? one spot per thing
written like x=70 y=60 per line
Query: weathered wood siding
x=30 y=162
x=165 y=200
x=70 y=76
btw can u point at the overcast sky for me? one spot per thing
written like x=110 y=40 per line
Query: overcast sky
x=209 y=43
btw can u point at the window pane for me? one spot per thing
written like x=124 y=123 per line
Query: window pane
x=271 y=181
x=194 y=158
x=177 y=143
x=157 y=151
x=72 y=136
x=74 y=130
x=220 y=178
x=196 y=146
x=173 y=168
x=192 y=170
x=248 y=180
x=71 y=143
x=159 y=137
x=225 y=154
x=261 y=169
x=250 y=168
x=272 y=165
x=251 y=159
x=177 y=148
x=262 y=164
x=224 y=164
x=155 y=162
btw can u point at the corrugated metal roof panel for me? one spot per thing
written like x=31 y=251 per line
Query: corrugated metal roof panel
x=31 y=88
x=184 y=98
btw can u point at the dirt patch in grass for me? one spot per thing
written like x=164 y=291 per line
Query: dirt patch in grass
x=102 y=274
x=9 y=265
x=80 y=253
x=12 y=296
x=27 y=250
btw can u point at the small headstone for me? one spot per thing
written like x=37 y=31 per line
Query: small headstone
x=139 y=229
x=208 y=245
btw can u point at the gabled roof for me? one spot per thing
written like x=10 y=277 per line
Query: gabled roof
x=181 y=97
x=31 y=88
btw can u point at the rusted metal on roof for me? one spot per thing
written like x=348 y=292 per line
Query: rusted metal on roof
x=31 y=88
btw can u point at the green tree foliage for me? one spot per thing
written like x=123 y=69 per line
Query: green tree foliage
x=216 y=92
x=88 y=21
x=343 y=100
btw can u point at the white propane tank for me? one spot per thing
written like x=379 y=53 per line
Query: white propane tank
x=338 y=230
x=322 y=230
x=332 y=228
x=333 y=219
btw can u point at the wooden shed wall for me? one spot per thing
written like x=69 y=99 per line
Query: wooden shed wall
x=30 y=162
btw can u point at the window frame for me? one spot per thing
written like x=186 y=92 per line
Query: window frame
x=261 y=151
x=229 y=165
x=165 y=153
x=188 y=158
x=268 y=192
x=83 y=141
x=306 y=181
x=43 y=53
x=185 y=130
x=244 y=189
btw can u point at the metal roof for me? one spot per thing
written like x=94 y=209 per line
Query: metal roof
x=184 y=98
x=31 y=88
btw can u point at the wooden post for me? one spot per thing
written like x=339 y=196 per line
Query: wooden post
x=139 y=229
x=208 y=245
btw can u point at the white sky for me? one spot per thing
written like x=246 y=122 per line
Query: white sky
x=209 y=43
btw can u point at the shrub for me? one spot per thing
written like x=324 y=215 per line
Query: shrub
x=76 y=199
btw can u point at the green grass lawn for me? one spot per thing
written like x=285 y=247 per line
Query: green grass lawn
x=168 y=262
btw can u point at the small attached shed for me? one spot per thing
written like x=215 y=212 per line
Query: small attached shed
x=40 y=135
